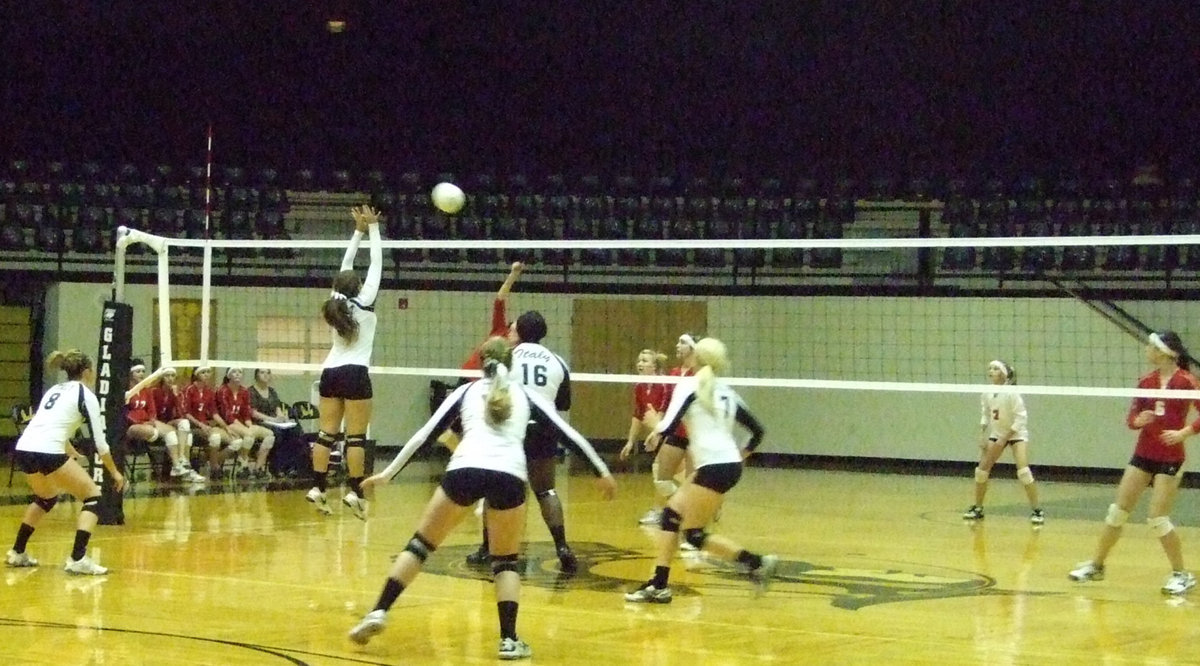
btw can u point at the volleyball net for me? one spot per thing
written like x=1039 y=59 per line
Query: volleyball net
x=801 y=347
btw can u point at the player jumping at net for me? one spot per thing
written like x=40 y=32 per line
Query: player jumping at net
x=488 y=463
x=345 y=384
x=1004 y=423
x=712 y=411
x=1157 y=462
x=545 y=373
x=45 y=455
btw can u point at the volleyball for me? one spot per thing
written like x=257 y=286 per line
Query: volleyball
x=448 y=197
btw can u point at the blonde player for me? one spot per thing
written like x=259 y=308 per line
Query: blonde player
x=649 y=402
x=345 y=384
x=42 y=453
x=1004 y=423
x=488 y=463
x=712 y=412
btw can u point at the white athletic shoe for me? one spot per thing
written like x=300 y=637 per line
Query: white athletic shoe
x=84 y=566
x=1086 y=571
x=370 y=626
x=15 y=559
x=514 y=648
x=357 y=504
x=648 y=594
x=193 y=476
x=683 y=545
x=1179 y=582
x=651 y=517
x=318 y=498
x=178 y=471
x=765 y=571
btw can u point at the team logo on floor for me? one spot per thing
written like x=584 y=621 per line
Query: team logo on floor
x=849 y=585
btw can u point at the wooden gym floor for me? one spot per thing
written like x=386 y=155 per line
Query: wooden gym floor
x=877 y=568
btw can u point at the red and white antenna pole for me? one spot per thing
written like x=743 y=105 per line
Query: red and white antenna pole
x=208 y=161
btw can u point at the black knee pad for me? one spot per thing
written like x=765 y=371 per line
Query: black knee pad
x=546 y=493
x=670 y=520
x=502 y=563
x=327 y=440
x=44 y=503
x=91 y=504
x=356 y=440
x=419 y=547
x=695 y=536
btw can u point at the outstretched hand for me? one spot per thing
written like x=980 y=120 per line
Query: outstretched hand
x=607 y=486
x=368 y=485
x=364 y=216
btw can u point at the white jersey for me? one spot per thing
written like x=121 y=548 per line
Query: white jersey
x=362 y=307
x=483 y=446
x=712 y=436
x=1003 y=417
x=62 y=410
x=542 y=371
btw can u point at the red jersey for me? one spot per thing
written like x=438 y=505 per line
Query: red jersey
x=168 y=402
x=669 y=390
x=233 y=405
x=199 y=402
x=499 y=328
x=141 y=407
x=649 y=396
x=1169 y=415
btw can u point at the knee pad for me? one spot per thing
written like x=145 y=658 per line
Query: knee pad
x=235 y=445
x=665 y=488
x=153 y=436
x=670 y=520
x=185 y=426
x=91 y=504
x=1160 y=525
x=981 y=475
x=1025 y=475
x=356 y=440
x=326 y=440
x=545 y=493
x=419 y=547
x=502 y=563
x=214 y=440
x=269 y=440
x=45 y=503
x=1116 y=516
x=171 y=439
x=695 y=536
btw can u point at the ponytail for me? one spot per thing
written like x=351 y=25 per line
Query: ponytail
x=707 y=380
x=336 y=311
x=711 y=355
x=72 y=362
x=499 y=400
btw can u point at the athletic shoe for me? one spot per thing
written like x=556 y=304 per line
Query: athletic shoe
x=567 y=561
x=648 y=594
x=193 y=476
x=973 y=513
x=318 y=498
x=178 y=471
x=514 y=648
x=480 y=557
x=15 y=559
x=652 y=517
x=357 y=504
x=1086 y=571
x=683 y=545
x=765 y=571
x=371 y=625
x=84 y=566
x=1179 y=582
x=1037 y=517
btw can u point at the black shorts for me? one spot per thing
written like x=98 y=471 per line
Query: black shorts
x=719 y=478
x=1010 y=442
x=32 y=462
x=541 y=441
x=348 y=382
x=676 y=441
x=1155 y=467
x=466 y=485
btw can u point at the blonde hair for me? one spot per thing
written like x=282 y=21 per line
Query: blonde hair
x=713 y=361
x=496 y=355
x=658 y=358
x=73 y=362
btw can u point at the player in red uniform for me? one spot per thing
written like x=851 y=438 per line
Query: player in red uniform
x=672 y=454
x=200 y=407
x=1157 y=461
x=649 y=402
x=141 y=413
x=169 y=401
x=233 y=406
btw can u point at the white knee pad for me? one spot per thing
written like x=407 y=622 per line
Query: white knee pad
x=235 y=445
x=1025 y=475
x=171 y=440
x=184 y=427
x=268 y=441
x=1160 y=525
x=665 y=488
x=981 y=476
x=1116 y=516
x=214 y=440
x=153 y=436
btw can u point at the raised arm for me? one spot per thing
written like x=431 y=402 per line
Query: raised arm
x=148 y=380
x=513 y=273
x=370 y=288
